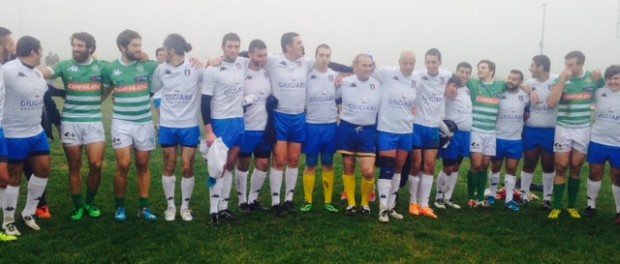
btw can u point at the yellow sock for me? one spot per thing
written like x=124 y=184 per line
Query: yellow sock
x=367 y=187
x=309 y=180
x=328 y=185
x=349 y=187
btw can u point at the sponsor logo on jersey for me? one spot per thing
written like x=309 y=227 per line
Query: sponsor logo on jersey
x=84 y=87
x=142 y=79
x=167 y=71
x=187 y=72
x=139 y=87
x=117 y=72
x=588 y=89
x=609 y=116
x=312 y=77
x=283 y=63
x=21 y=74
x=321 y=99
x=576 y=97
x=353 y=85
x=521 y=98
x=372 y=86
x=395 y=78
x=249 y=77
x=95 y=79
x=73 y=68
x=292 y=85
x=487 y=100
x=238 y=65
x=94 y=68
x=222 y=68
x=433 y=98
x=330 y=78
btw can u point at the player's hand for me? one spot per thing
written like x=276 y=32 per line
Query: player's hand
x=596 y=75
x=566 y=74
x=210 y=138
x=534 y=97
x=217 y=61
x=196 y=63
x=413 y=111
x=143 y=57
x=451 y=92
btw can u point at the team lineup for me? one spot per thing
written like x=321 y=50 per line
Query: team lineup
x=275 y=107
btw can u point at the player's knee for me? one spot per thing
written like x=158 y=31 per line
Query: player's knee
x=95 y=165
x=387 y=169
x=293 y=162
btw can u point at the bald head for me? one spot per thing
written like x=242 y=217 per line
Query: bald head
x=406 y=62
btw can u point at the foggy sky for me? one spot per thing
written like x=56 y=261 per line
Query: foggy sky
x=505 y=31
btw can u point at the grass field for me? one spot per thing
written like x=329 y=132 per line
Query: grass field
x=458 y=236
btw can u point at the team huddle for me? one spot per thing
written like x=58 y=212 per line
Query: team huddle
x=276 y=107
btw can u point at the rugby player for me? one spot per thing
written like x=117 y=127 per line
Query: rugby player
x=509 y=146
x=132 y=126
x=572 y=93
x=82 y=126
x=161 y=56
x=25 y=138
x=179 y=85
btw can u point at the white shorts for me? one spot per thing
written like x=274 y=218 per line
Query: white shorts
x=483 y=143
x=571 y=138
x=77 y=134
x=126 y=133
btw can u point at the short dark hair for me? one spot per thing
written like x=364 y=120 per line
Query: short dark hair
x=517 y=72
x=287 y=39
x=256 y=44
x=575 y=54
x=230 y=37
x=26 y=45
x=455 y=80
x=125 y=37
x=433 y=52
x=158 y=50
x=4 y=32
x=177 y=43
x=490 y=64
x=463 y=64
x=322 y=46
x=542 y=60
x=87 y=38
x=611 y=71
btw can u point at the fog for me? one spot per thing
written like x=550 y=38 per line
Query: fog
x=505 y=31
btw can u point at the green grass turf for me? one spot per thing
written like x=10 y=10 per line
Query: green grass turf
x=467 y=235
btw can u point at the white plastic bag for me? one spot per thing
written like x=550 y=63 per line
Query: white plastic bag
x=216 y=156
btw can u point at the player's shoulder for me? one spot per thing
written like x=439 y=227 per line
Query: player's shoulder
x=445 y=73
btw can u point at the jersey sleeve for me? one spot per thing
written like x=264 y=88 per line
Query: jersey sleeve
x=208 y=81
x=156 y=82
x=57 y=69
x=309 y=62
x=379 y=73
x=106 y=76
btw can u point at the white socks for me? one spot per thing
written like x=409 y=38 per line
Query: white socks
x=11 y=194
x=242 y=183
x=36 y=187
x=425 y=190
x=615 y=190
x=394 y=190
x=450 y=185
x=526 y=182
x=384 y=186
x=509 y=182
x=226 y=187
x=214 y=195
x=493 y=183
x=291 y=181
x=275 y=184
x=414 y=185
x=168 y=185
x=548 y=185
x=187 y=187
x=593 y=189
x=441 y=185
x=256 y=184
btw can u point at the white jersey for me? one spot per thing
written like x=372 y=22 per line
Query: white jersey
x=179 y=87
x=510 y=116
x=360 y=100
x=398 y=94
x=321 y=98
x=288 y=82
x=225 y=84
x=24 y=91
x=430 y=97
x=606 y=118
x=256 y=84
x=460 y=109
x=541 y=115
x=1 y=95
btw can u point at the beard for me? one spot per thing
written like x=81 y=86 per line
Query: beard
x=512 y=87
x=132 y=56
x=80 y=57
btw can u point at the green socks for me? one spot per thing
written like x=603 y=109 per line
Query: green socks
x=573 y=189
